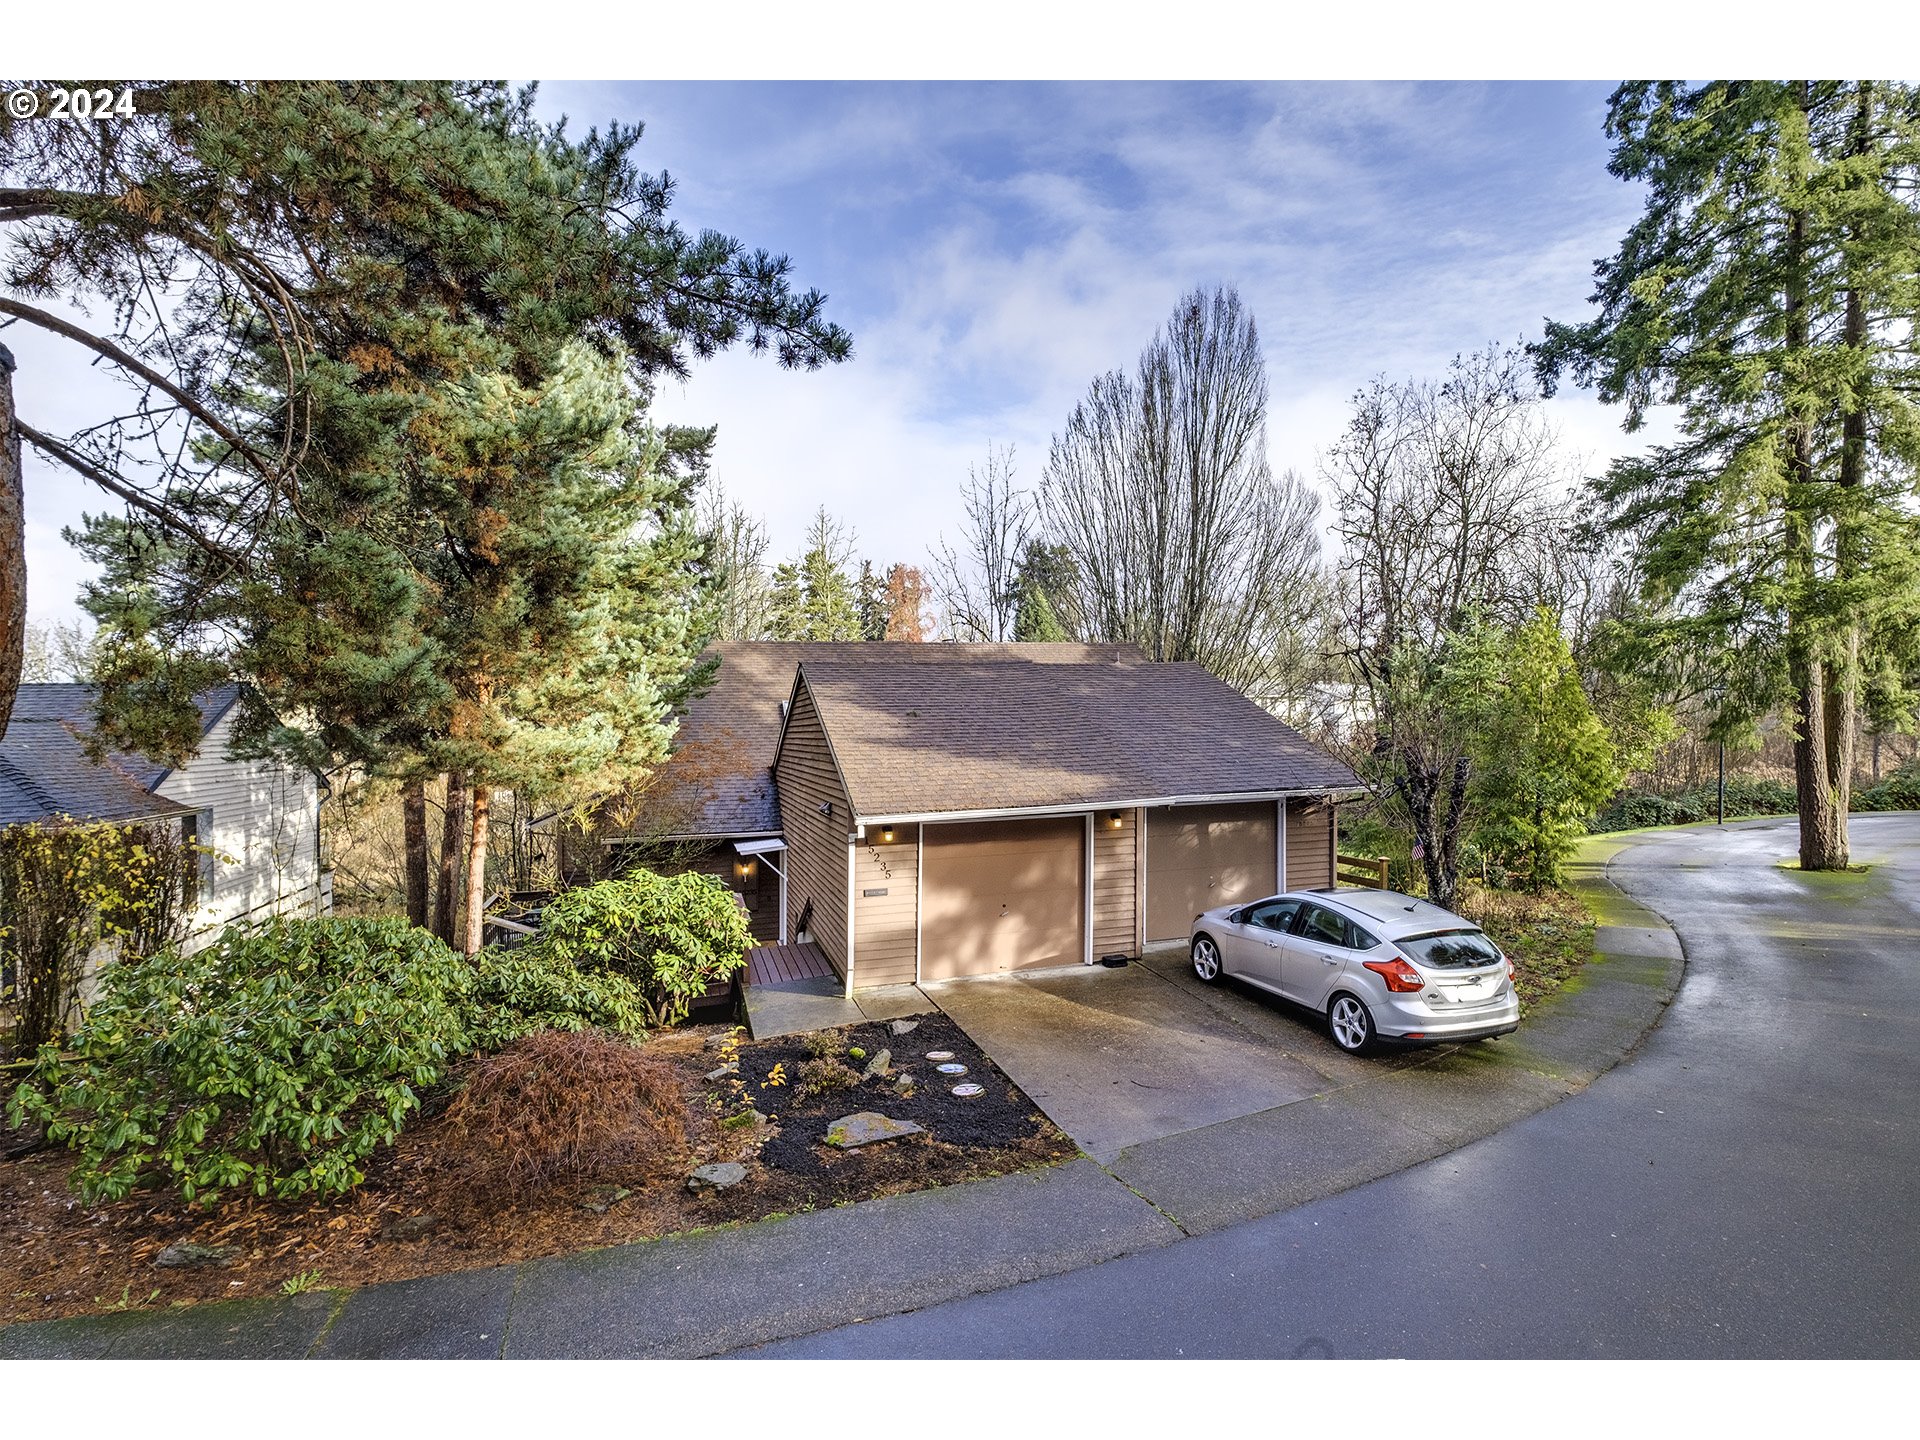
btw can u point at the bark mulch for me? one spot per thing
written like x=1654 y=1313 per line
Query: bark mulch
x=408 y=1219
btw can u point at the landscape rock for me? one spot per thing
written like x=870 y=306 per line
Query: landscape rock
x=866 y=1127
x=880 y=1064
x=723 y=1176
x=904 y=1027
x=408 y=1227
x=603 y=1198
x=732 y=1067
x=724 y=1038
x=905 y=1084
x=189 y=1256
x=741 y=1119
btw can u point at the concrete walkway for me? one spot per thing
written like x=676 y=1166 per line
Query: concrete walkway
x=711 y=1292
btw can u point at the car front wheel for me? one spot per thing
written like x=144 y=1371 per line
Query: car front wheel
x=1350 y=1024
x=1206 y=959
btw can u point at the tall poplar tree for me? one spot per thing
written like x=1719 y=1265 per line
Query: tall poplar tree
x=1770 y=289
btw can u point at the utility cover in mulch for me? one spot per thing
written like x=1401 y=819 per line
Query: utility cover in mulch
x=1001 y=1117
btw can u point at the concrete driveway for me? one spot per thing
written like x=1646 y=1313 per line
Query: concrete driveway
x=1119 y=1057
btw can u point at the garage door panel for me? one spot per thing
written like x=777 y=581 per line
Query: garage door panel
x=1201 y=856
x=1002 y=895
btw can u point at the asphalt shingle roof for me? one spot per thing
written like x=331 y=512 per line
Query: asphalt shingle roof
x=935 y=739
x=44 y=770
x=720 y=779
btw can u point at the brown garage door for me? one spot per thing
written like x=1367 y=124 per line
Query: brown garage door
x=1200 y=856
x=1002 y=895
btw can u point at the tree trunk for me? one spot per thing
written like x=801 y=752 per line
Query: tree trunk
x=413 y=807
x=446 y=907
x=1823 y=823
x=477 y=869
x=13 y=548
x=1843 y=682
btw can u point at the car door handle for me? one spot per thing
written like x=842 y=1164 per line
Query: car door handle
x=1328 y=960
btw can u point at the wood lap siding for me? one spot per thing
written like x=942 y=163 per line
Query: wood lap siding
x=762 y=895
x=884 y=930
x=1116 y=875
x=816 y=844
x=265 y=824
x=1309 y=844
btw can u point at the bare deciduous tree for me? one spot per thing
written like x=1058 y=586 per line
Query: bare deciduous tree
x=739 y=585
x=1450 y=511
x=977 y=589
x=1181 y=539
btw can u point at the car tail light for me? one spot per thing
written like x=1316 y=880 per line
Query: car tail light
x=1401 y=977
x=1510 y=974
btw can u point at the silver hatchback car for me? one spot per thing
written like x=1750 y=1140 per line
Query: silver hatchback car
x=1378 y=964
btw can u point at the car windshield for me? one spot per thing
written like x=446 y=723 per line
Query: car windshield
x=1451 y=949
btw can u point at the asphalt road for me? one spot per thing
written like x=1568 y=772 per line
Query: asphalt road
x=1746 y=1185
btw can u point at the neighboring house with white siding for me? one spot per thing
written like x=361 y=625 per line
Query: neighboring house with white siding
x=261 y=818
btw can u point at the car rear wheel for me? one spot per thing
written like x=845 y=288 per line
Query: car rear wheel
x=1350 y=1024
x=1206 y=959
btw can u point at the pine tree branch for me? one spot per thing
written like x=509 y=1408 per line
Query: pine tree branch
x=113 y=485
x=134 y=366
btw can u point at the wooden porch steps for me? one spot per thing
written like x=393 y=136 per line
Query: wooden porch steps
x=784 y=964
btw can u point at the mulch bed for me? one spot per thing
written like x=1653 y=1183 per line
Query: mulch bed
x=59 y=1258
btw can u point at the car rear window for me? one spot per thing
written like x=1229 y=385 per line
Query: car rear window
x=1452 y=949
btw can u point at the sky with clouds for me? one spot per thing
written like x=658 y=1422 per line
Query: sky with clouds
x=993 y=247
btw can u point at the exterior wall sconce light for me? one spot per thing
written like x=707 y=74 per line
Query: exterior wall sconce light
x=1114 y=820
x=826 y=807
x=886 y=835
x=744 y=869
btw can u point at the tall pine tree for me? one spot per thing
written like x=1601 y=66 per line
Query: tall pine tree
x=1770 y=289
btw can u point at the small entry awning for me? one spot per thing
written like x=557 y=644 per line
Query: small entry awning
x=771 y=846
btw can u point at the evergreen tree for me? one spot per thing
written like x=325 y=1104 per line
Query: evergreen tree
x=1543 y=761
x=1046 y=589
x=813 y=597
x=273 y=219
x=485 y=569
x=870 y=602
x=1770 y=289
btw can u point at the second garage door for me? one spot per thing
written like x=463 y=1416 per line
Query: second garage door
x=1200 y=856
x=1002 y=895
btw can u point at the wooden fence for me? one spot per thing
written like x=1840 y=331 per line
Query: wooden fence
x=1362 y=870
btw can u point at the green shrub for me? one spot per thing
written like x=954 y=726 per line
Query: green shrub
x=1899 y=791
x=823 y=1076
x=274 y=1061
x=672 y=936
x=1636 y=812
x=1745 y=797
x=517 y=992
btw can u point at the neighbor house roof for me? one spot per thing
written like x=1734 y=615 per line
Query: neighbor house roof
x=988 y=736
x=720 y=779
x=45 y=772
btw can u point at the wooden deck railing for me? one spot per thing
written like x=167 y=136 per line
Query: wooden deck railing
x=1362 y=870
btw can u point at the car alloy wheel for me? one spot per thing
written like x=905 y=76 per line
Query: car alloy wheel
x=1350 y=1024
x=1206 y=959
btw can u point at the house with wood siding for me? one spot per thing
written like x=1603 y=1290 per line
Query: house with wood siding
x=928 y=812
x=259 y=820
